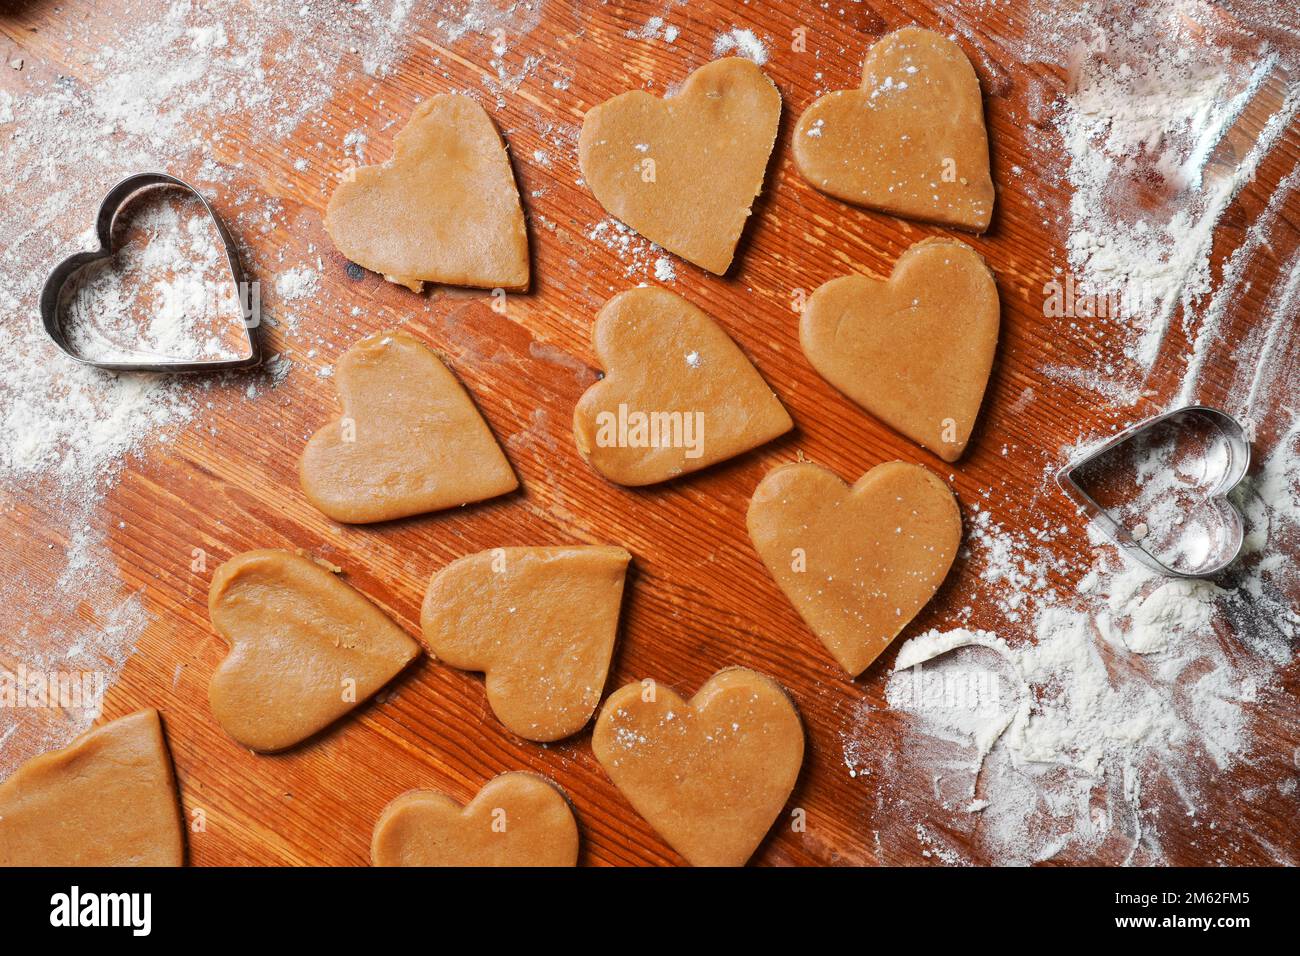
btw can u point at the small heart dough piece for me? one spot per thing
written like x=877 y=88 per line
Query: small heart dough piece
x=539 y=622
x=305 y=648
x=107 y=799
x=857 y=563
x=911 y=141
x=444 y=209
x=517 y=819
x=674 y=369
x=709 y=774
x=685 y=170
x=410 y=439
x=915 y=350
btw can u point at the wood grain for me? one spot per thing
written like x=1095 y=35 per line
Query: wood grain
x=699 y=599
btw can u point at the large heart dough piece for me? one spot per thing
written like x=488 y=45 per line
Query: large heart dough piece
x=857 y=563
x=678 y=394
x=444 y=209
x=916 y=350
x=517 y=819
x=709 y=774
x=539 y=622
x=410 y=439
x=685 y=170
x=911 y=141
x=305 y=648
x=108 y=799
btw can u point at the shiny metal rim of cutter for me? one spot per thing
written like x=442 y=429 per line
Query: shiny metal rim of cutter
x=65 y=271
x=1238 y=464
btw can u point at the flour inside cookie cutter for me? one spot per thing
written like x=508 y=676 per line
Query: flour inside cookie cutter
x=54 y=294
x=1223 y=472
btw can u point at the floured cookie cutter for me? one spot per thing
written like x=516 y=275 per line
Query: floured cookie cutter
x=53 y=298
x=1234 y=467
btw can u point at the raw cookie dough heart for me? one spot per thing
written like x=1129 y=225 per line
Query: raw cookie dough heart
x=916 y=350
x=539 y=622
x=709 y=774
x=911 y=141
x=410 y=439
x=107 y=799
x=857 y=563
x=517 y=819
x=663 y=358
x=684 y=171
x=305 y=648
x=444 y=209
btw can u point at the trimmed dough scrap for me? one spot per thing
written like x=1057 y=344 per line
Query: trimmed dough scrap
x=684 y=171
x=710 y=774
x=305 y=648
x=910 y=141
x=410 y=439
x=858 y=563
x=444 y=209
x=699 y=398
x=516 y=819
x=107 y=799
x=540 y=623
x=915 y=350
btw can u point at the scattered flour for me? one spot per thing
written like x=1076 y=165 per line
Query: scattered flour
x=1154 y=161
x=483 y=17
x=640 y=256
x=654 y=29
x=739 y=42
x=300 y=282
x=1081 y=714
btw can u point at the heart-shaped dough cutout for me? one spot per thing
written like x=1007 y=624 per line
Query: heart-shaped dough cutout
x=857 y=563
x=107 y=799
x=517 y=819
x=911 y=141
x=916 y=350
x=678 y=394
x=305 y=648
x=540 y=623
x=444 y=209
x=685 y=170
x=709 y=774
x=410 y=439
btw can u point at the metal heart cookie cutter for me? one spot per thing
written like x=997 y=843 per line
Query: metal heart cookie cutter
x=1223 y=466
x=53 y=298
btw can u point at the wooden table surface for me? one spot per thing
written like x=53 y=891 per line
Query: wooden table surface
x=699 y=599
